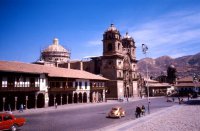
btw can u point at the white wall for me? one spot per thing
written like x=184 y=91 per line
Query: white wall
x=43 y=83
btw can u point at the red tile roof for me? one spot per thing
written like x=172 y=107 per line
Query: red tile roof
x=187 y=85
x=10 y=66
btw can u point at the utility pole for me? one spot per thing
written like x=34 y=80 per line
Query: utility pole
x=144 y=50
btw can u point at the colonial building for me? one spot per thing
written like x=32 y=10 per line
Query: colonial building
x=187 y=85
x=156 y=88
x=37 y=86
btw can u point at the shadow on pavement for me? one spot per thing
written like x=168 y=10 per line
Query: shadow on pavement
x=192 y=102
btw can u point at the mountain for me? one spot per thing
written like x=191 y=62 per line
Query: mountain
x=185 y=65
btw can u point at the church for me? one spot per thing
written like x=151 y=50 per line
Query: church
x=117 y=63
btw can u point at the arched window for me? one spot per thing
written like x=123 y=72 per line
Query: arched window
x=118 y=46
x=110 y=47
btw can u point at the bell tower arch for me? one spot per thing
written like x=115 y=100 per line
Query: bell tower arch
x=112 y=41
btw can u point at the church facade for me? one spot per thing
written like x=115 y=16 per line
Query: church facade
x=117 y=63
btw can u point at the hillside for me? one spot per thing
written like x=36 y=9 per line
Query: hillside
x=185 y=65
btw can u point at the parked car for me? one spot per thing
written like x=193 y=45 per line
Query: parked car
x=10 y=122
x=116 y=112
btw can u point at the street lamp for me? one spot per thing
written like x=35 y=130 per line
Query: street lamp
x=144 y=50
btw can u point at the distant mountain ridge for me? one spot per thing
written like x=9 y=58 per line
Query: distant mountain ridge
x=185 y=65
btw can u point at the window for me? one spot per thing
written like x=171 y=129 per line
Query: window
x=32 y=82
x=110 y=47
x=80 y=85
x=11 y=81
x=4 y=82
x=85 y=85
x=76 y=84
x=7 y=117
x=120 y=74
x=70 y=83
x=118 y=46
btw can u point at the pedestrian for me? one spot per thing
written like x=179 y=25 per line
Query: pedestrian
x=173 y=99
x=137 y=111
x=143 y=110
x=21 y=108
x=56 y=105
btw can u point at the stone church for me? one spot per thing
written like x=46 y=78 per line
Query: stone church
x=118 y=63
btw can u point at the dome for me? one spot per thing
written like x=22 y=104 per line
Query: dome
x=55 y=53
x=112 y=28
x=55 y=47
x=172 y=66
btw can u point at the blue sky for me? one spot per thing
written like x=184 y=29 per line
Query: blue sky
x=167 y=27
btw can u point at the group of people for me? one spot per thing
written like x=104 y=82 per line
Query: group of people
x=139 y=111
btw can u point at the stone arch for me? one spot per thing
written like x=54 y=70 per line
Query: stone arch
x=84 y=97
x=75 y=98
x=58 y=99
x=31 y=101
x=64 y=99
x=40 y=100
x=51 y=100
x=70 y=98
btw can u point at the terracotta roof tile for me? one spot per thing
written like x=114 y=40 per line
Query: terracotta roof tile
x=9 y=66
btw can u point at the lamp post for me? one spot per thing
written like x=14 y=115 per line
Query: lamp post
x=195 y=80
x=144 y=50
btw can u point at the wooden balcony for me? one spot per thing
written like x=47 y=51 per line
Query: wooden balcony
x=98 y=88
x=61 y=89
x=17 y=89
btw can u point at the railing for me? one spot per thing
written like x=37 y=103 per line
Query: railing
x=98 y=88
x=8 y=89
x=61 y=89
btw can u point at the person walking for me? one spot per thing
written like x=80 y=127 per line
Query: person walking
x=21 y=108
x=138 y=112
x=143 y=110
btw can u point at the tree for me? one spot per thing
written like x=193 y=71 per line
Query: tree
x=171 y=74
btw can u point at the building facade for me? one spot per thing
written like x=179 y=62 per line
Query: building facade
x=38 y=86
x=117 y=63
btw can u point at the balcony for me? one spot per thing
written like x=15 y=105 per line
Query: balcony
x=98 y=88
x=61 y=89
x=21 y=89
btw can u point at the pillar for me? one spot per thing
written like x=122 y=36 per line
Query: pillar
x=15 y=103
x=67 y=98
x=61 y=99
x=26 y=102
x=46 y=98
x=54 y=101
x=104 y=95
x=82 y=98
x=4 y=99
x=35 y=101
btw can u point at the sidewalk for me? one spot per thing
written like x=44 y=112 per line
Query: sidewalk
x=67 y=106
x=175 y=118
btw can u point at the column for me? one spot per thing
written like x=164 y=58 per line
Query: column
x=82 y=98
x=104 y=96
x=54 y=102
x=4 y=99
x=35 y=101
x=26 y=102
x=46 y=98
x=61 y=99
x=67 y=98
x=15 y=103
